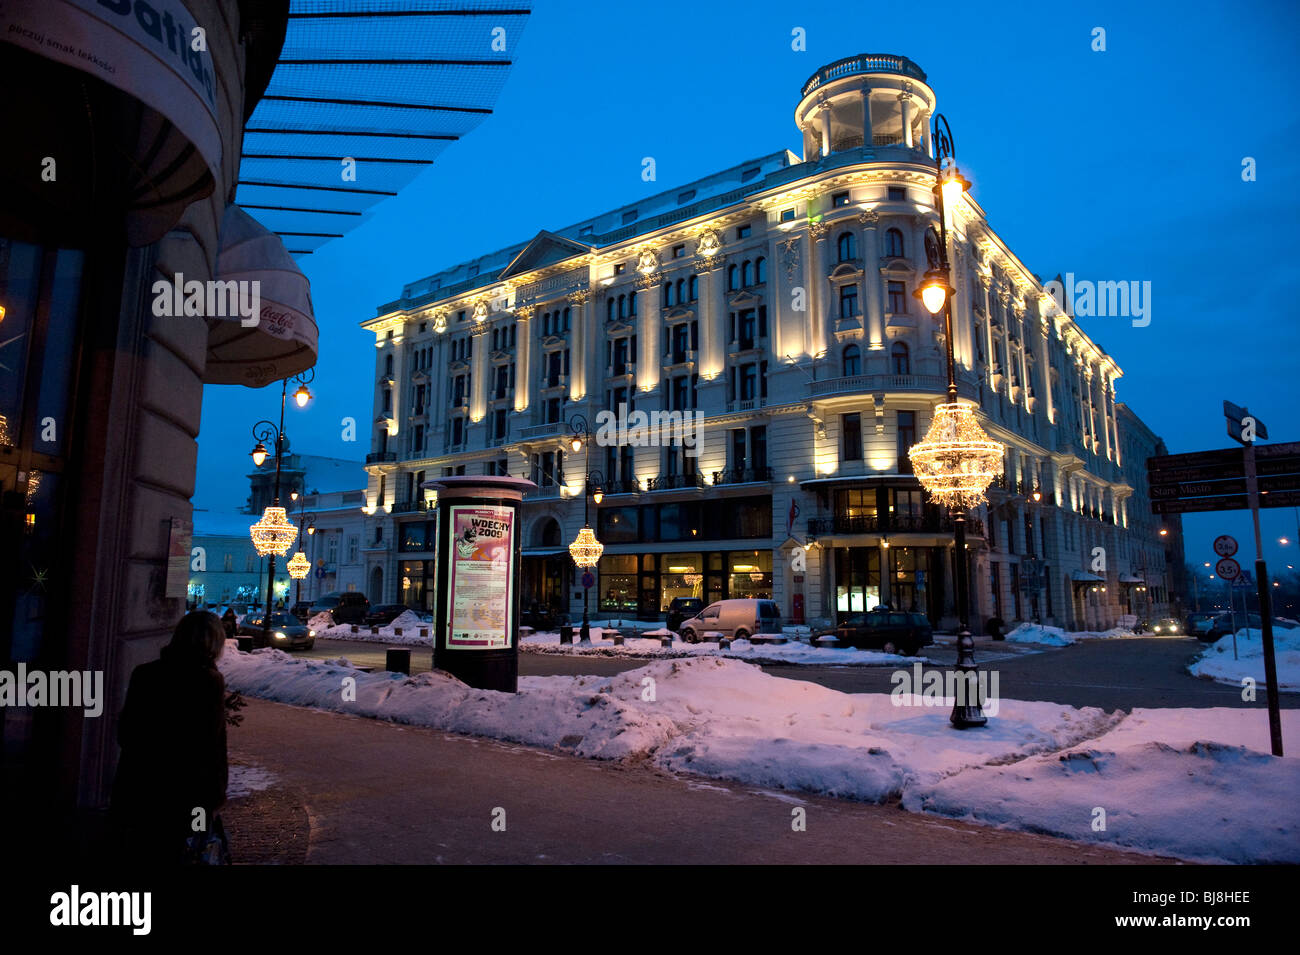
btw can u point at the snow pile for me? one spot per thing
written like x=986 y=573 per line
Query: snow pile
x=647 y=645
x=408 y=622
x=321 y=622
x=1036 y=633
x=1216 y=662
x=1194 y=783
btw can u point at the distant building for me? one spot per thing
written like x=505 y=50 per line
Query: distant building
x=233 y=572
x=775 y=298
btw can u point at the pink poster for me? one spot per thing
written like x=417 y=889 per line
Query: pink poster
x=479 y=608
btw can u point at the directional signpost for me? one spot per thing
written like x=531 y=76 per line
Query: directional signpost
x=1231 y=480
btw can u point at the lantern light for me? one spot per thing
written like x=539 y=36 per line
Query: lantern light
x=259 y=454
x=302 y=396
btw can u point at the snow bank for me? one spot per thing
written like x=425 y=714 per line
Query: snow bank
x=1036 y=633
x=647 y=646
x=1216 y=662
x=408 y=622
x=1193 y=783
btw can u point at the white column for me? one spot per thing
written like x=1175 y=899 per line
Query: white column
x=826 y=129
x=905 y=107
x=866 y=116
x=479 y=366
x=523 y=358
x=872 y=294
x=649 y=351
x=818 y=328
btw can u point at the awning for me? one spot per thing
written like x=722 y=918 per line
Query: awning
x=1130 y=579
x=1083 y=577
x=544 y=551
x=144 y=135
x=365 y=96
x=283 y=340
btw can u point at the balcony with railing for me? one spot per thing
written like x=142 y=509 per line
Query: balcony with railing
x=381 y=457
x=675 y=482
x=861 y=64
x=745 y=404
x=620 y=368
x=680 y=356
x=542 y=492
x=409 y=507
x=624 y=486
x=546 y=430
x=742 y=476
x=554 y=381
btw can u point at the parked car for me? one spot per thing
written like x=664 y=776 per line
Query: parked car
x=1196 y=624
x=301 y=610
x=384 y=614
x=348 y=607
x=287 y=632
x=892 y=631
x=1167 y=626
x=737 y=618
x=681 y=610
x=542 y=618
x=1221 y=625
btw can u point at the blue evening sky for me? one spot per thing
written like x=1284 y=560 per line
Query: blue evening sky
x=1116 y=165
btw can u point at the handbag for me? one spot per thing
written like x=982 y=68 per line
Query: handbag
x=210 y=847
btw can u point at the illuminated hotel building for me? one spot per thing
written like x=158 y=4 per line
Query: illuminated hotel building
x=775 y=297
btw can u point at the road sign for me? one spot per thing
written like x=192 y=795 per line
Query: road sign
x=1224 y=472
x=1236 y=417
x=1244 y=581
x=1186 y=505
x=588 y=580
x=1225 y=545
x=1228 y=569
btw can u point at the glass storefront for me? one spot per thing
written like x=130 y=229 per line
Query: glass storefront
x=681 y=575
x=750 y=574
x=857 y=579
x=618 y=585
x=417 y=583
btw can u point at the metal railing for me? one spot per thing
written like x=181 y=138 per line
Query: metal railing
x=889 y=524
x=742 y=476
x=381 y=457
x=670 y=482
x=863 y=63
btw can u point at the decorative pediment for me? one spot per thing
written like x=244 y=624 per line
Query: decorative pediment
x=896 y=263
x=553 y=341
x=547 y=248
x=845 y=270
x=679 y=313
x=499 y=357
x=456 y=367
x=619 y=326
x=744 y=299
x=419 y=378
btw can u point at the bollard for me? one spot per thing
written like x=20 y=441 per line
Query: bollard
x=397 y=631
x=398 y=660
x=566 y=633
x=665 y=641
x=245 y=644
x=618 y=639
x=354 y=628
x=374 y=631
x=724 y=644
x=424 y=631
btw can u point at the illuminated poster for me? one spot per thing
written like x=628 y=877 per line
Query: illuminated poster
x=478 y=610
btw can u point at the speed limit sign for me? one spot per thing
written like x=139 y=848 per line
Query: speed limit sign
x=1228 y=569
x=1225 y=546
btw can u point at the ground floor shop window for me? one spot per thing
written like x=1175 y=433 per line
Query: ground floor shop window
x=682 y=575
x=750 y=574
x=618 y=583
x=418 y=583
x=857 y=579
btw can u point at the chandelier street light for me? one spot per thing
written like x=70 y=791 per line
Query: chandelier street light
x=273 y=535
x=955 y=461
x=586 y=549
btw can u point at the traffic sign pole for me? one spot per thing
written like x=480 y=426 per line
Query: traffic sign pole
x=1265 y=607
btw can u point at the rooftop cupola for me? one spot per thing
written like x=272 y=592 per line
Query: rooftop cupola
x=872 y=100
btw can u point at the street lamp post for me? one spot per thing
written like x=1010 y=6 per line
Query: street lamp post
x=273 y=534
x=586 y=549
x=956 y=461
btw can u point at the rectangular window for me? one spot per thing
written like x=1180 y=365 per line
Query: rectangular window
x=840 y=199
x=898 y=298
x=743 y=231
x=851 y=427
x=787 y=215
x=849 y=301
x=679 y=251
x=906 y=438
x=685 y=196
x=629 y=216
x=758 y=447
x=738 y=448
x=897 y=194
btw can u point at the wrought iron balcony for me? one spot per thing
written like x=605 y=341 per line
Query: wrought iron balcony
x=541 y=430
x=407 y=507
x=742 y=476
x=381 y=457
x=890 y=524
x=628 y=486
x=670 y=482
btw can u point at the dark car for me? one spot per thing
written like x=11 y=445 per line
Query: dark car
x=301 y=610
x=681 y=610
x=542 y=618
x=384 y=614
x=1221 y=625
x=348 y=607
x=892 y=631
x=1195 y=624
x=287 y=632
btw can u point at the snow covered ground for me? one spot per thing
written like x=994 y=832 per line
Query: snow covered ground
x=1193 y=783
x=648 y=646
x=1217 y=664
x=408 y=623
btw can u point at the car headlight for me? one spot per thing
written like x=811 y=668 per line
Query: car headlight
x=279 y=635
x=311 y=633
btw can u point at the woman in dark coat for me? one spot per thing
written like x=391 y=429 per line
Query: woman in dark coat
x=173 y=738
x=230 y=623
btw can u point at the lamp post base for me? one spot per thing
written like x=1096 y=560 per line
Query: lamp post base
x=967 y=710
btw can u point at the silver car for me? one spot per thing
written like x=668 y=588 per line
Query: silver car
x=736 y=619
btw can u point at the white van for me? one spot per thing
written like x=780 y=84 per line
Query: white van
x=737 y=619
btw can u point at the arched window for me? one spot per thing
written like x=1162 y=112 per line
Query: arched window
x=894 y=242
x=731 y=278
x=902 y=359
x=622 y=306
x=631 y=305
x=568 y=312
x=681 y=291
x=693 y=288
x=848 y=246
x=852 y=360
x=747 y=274
x=609 y=309
x=668 y=294
x=761 y=268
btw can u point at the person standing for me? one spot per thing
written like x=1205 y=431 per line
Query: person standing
x=172 y=774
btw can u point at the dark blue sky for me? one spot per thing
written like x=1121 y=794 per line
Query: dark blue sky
x=1115 y=165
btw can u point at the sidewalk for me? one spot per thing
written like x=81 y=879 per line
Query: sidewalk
x=347 y=790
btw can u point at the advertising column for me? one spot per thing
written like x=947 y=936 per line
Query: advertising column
x=476 y=613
